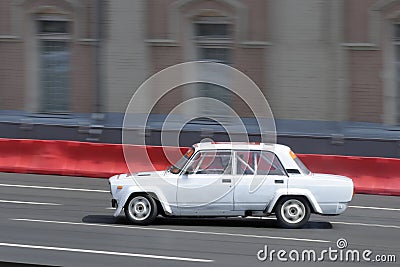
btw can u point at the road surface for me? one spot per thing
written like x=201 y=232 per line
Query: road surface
x=67 y=221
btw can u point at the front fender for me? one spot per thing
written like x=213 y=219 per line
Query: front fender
x=293 y=192
x=126 y=193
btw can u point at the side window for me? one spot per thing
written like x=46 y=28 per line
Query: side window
x=258 y=162
x=269 y=164
x=244 y=163
x=211 y=162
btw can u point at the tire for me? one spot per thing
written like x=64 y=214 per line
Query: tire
x=292 y=212
x=141 y=209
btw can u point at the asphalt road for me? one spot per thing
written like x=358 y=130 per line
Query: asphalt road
x=67 y=221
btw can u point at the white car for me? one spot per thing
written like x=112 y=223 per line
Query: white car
x=232 y=179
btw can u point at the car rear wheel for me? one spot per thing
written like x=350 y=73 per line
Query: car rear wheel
x=141 y=209
x=292 y=212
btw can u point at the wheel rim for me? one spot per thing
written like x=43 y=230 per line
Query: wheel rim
x=293 y=211
x=139 y=208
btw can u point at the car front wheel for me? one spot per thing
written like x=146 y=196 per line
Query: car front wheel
x=141 y=209
x=292 y=212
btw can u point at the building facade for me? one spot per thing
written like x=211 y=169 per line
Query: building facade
x=47 y=51
x=330 y=60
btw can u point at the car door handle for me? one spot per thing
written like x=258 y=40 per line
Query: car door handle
x=279 y=181
x=226 y=180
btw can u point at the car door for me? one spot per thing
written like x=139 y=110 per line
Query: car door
x=205 y=186
x=258 y=174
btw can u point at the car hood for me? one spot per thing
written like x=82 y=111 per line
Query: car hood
x=142 y=175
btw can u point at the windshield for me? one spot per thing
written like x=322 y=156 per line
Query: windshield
x=177 y=167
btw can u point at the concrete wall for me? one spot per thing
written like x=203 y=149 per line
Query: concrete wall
x=11 y=63
x=304 y=61
x=11 y=74
x=313 y=59
x=125 y=52
x=366 y=86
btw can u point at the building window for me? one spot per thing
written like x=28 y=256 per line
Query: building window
x=54 y=61
x=52 y=27
x=213 y=40
x=217 y=54
x=212 y=29
x=396 y=42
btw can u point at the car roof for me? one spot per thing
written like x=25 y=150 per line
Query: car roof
x=241 y=146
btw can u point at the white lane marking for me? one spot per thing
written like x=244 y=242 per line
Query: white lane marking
x=114 y=253
x=106 y=191
x=347 y=223
x=55 y=188
x=28 y=202
x=177 y=230
x=368 y=224
x=373 y=208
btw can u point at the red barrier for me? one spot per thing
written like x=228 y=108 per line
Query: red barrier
x=60 y=157
x=370 y=175
x=79 y=158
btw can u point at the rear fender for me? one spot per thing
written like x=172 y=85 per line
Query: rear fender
x=293 y=192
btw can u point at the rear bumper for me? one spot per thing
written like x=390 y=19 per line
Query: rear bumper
x=333 y=208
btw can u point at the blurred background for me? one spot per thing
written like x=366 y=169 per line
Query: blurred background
x=328 y=68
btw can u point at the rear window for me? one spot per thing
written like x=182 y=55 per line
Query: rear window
x=300 y=164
